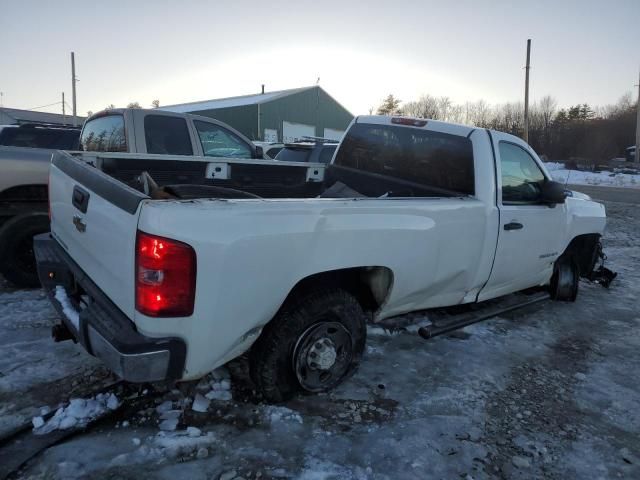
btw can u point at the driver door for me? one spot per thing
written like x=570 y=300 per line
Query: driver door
x=531 y=233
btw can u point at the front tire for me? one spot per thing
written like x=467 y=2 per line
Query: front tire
x=565 y=280
x=312 y=345
x=17 y=260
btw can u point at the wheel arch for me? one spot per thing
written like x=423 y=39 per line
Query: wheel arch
x=584 y=250
x=370 y=285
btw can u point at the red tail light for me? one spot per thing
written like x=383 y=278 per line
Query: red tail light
x=165 y=276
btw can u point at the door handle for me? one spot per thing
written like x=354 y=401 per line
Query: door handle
x=80 y=199
x=513 y=226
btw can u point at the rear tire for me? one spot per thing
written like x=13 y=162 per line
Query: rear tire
x=312 y=345
x=565 y=280
x=17 y=260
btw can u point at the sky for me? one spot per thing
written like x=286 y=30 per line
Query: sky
x=182 y=51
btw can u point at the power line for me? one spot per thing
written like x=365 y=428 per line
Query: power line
x=43 y=106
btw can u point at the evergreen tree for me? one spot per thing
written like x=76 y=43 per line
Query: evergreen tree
x=389 y=106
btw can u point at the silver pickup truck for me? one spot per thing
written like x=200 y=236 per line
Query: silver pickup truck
x=171 y=142
x=25 y=155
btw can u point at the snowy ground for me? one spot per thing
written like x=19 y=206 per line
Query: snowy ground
x=548 y=392
x=604 y=178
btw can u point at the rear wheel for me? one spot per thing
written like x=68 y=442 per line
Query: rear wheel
x=312 y=345
x=565 y=280
x=17 y=261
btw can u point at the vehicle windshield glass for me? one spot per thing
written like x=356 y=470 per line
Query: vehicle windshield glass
x=38 y=137
x=423 y=159
x=292 y=154
x=217 y=141
x=104 y=134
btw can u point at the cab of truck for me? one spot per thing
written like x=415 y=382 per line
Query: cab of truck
x=154 y=131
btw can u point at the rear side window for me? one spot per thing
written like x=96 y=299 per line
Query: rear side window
x=288 y=154
x=36 y=137
x=219 y=142
x=430 y=159
x=104 y=134
x=167 y=135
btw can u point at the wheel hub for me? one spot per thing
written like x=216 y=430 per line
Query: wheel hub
x=322 y=354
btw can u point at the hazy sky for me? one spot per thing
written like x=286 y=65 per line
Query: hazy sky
x=181 y=51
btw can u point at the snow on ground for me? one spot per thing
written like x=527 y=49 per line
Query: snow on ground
x=604 y=178
x=67 y=308
x=35 y=371
x=546 y=392
x=79 y=412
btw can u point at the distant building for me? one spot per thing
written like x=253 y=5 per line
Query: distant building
x=281 y=116
x=14 y=116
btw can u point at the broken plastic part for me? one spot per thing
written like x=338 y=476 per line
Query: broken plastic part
x=601 y=275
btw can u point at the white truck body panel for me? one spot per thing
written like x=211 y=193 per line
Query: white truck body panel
x=251 y=253
x=105 y=250
x=297 y=238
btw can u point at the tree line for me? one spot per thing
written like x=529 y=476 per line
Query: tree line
x=581 y=132
x=111 y=106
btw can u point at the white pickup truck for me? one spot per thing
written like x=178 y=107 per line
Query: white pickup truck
x=413 y=214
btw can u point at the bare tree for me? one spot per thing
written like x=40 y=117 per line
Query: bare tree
x=133 y=105
x=457 y=114
x=155 y=103
x=444 y=104
x=547 y=106
x=425 y=107
x=478 y=114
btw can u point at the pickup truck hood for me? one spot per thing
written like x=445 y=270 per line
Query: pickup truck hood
x=579 y=195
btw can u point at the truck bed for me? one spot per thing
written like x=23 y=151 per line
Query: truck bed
x=264 y=178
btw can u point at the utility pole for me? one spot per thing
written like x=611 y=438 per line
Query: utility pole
x=526 y=93
x=73 y=88
x=637 y=158
x=64 y=117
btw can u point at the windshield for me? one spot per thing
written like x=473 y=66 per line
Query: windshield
x=217 y=141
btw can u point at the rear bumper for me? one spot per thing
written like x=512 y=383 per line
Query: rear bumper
x=102 y=329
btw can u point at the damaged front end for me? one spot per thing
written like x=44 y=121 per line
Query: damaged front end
x=600 y=275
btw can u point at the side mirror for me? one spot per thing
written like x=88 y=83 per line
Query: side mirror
x=552 y=192
x=259 y=152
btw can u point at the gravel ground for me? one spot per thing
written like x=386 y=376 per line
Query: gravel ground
x=550 y=391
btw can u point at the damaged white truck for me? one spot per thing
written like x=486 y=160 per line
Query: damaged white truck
x=167 y=281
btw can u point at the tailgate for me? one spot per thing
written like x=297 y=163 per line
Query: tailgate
x=94 y=218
